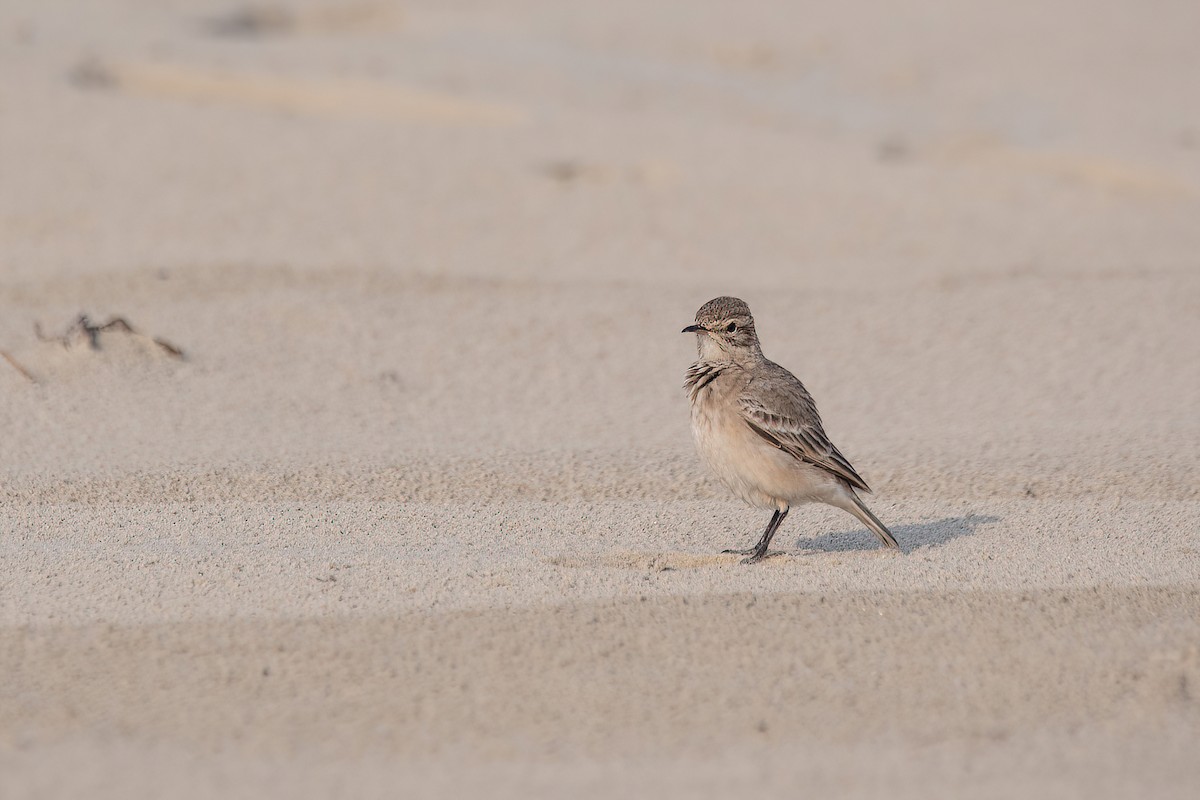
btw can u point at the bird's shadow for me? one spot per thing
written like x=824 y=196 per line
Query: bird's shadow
x=910 y=537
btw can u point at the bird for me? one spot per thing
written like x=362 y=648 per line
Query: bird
x=758 y=430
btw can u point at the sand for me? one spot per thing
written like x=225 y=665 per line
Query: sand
x=417 y=513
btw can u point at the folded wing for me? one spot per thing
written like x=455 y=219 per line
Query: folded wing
x=783 y=413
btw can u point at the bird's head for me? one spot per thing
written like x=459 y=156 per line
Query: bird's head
x=725 y=330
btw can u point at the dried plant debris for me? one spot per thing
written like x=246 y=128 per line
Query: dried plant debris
x=894 y=149
x=277 y=20
x=568 y=171
x=92 y=73
x=12 y=362
x=254 y=21
x=83 y=331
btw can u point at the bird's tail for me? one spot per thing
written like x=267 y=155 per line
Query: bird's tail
x=860 y=510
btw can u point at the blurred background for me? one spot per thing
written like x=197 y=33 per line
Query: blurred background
x=579 y=141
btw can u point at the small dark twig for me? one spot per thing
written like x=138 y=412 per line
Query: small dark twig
x=116 y=324
x=83 y=329
x=253 y=21
x=91 y=73
x=16 y=365
x=171 y=349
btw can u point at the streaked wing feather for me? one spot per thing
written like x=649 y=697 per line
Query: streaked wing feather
x=787 y=418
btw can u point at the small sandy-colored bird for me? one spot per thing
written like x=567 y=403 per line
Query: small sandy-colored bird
x=758 y=429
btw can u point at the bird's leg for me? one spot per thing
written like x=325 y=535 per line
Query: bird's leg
x=760 y=549
x=765 y=537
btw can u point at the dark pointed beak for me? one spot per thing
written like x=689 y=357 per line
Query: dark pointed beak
x=692 y=329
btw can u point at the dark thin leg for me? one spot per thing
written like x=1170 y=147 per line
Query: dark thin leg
x=770 y=527
x=760 y=549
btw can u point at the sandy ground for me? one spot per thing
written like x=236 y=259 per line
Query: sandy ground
x=417 y=512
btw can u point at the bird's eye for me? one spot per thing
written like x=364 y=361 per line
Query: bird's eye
x=731 y=327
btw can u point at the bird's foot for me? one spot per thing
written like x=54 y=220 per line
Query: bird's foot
x=752 y=556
